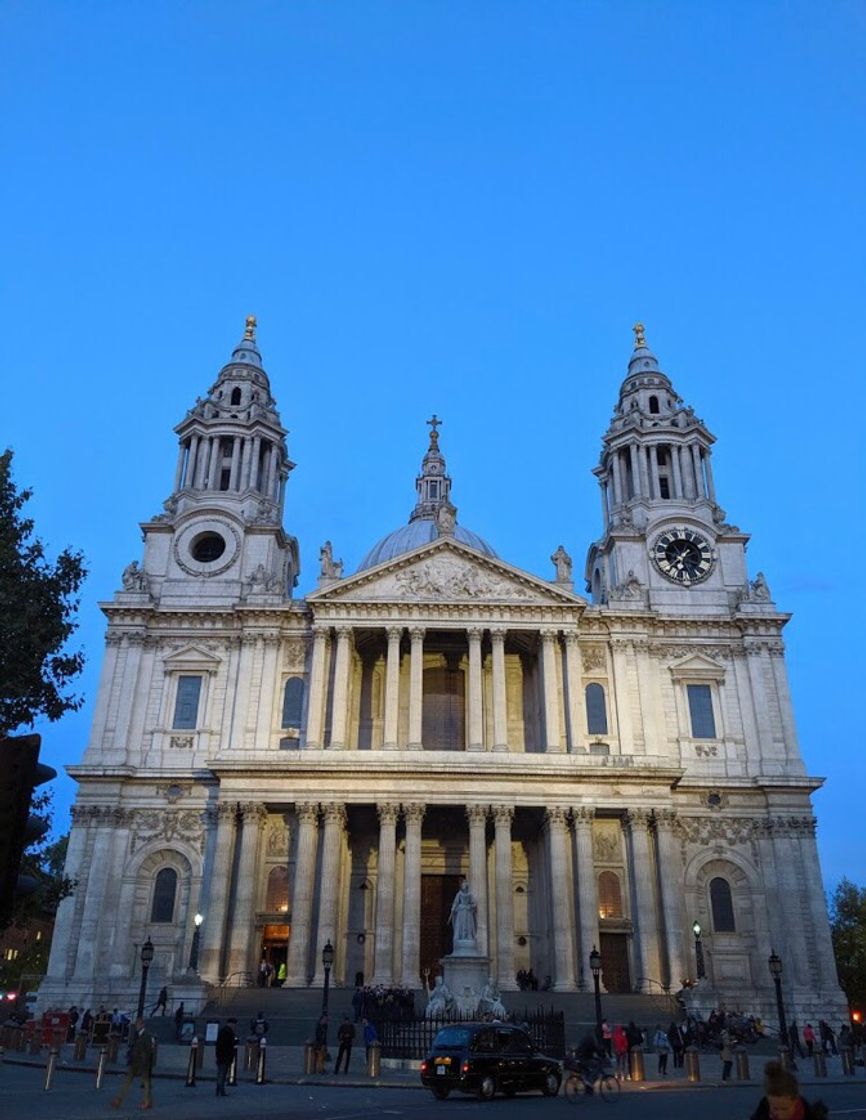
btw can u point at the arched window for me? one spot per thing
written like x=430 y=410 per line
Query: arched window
x=278 y=891
x=293 y=702
x=236 y=396
x=164 y=891
x=609 y=895
x=654 y=405
x=596 y=713
x=722 y=906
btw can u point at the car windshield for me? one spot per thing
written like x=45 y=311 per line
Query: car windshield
x=451 y=1038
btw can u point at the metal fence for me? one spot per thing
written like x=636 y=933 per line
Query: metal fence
x=413 y=1038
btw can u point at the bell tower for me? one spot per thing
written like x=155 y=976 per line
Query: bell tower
x=666 y=543
x=222 y=526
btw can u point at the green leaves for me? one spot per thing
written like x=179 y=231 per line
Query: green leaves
x=848 y=929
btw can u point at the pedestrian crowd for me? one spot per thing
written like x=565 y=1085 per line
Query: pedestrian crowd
x=378 y=1001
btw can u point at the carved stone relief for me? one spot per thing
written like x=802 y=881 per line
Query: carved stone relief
x=172 y=824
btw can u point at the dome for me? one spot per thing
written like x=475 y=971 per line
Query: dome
x=409 y=537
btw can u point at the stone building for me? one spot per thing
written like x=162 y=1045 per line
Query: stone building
x=604 y=771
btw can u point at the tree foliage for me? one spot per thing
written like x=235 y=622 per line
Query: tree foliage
x=38 y=601
x=848 y=929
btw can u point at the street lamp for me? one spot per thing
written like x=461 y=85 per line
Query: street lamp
x=146 y=958
x=196 y=937
x=595 y=968
x=699 y=950
x=775 y=963
x=327 y=961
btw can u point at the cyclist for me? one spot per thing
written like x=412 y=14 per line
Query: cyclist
x=589 y=1059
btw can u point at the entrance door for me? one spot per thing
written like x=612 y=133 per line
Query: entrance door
x=437 y=894
x=275 y=944
x=614 y=962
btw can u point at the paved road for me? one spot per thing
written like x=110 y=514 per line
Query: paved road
x=74 y=1098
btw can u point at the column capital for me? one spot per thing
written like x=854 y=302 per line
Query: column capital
x=571 y=638
x=498 y=633
x=477 y=814
x=320 y=631
x=475 y=633
x=416 y=633
x=503 y=814
x=583 y=815
x=344 y=631
x=637 y=819
x=548 y=635
x=226 y=810
x=413 y=812
x=395 y=633
x=665 y=818
x=334 y=812
x=388 y=812
x=254 y=812
x=307 y=810
x=556 y=815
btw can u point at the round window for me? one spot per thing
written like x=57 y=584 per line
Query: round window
x=207 y=547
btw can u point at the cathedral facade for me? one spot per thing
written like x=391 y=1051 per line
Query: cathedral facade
x=266 y=775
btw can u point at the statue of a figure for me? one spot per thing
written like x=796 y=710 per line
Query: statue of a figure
x=632 y=588
x=562 y=563
x=446 y=519
x=440 y=1001
x=760 y=589
x=330 y=568
x=462 y=917
x=490 y=1002
x=133 y=578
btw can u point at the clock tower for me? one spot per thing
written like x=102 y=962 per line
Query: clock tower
x=666 y=544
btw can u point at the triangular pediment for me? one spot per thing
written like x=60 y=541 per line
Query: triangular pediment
x=191 y=657
x=697 y=666
x=445 y=571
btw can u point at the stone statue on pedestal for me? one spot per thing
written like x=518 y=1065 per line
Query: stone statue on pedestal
x=463 y=915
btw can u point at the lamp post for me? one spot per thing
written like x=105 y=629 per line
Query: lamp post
x=146 y=958
x=327 y=961
x=196 y=937
x=775 y=963
x=699 y=950
x=595 y=968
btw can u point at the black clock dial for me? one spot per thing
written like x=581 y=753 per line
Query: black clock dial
x=683 y=556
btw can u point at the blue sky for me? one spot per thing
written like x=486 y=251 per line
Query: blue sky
x=460 y=208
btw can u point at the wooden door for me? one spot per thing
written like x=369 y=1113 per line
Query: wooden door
x=437 y=894
x=614 y=962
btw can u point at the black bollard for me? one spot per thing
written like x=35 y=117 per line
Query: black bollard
x=260 y=1065
x=192 y=1064
x=847 y=1056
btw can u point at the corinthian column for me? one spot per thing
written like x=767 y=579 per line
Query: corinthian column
x=477 y=816
x=572 y=675
x=217 y=895
x=587 y=888
x=476 y=715
x=329 y=896
x=392 y=688
x=500 y=696
x=503 y=816
x=340 y=712
x=241 y=939
x=413 y=815
x=637 y=821
x=416 y=688
x=315 y=707
x=383 y=963
x=551 y=692
x=302 y=895
x=563 y=949
x=671 y=879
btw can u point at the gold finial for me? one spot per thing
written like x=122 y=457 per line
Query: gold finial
x=639 y=336
x=250 y=331
x=434 y=423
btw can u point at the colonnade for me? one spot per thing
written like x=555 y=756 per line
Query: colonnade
x=635 y=471
x=253 y=463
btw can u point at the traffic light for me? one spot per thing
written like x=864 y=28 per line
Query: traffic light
x=20 y=773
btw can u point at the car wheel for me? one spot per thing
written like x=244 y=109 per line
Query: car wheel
x=440 y=1092
x=487 y=1088
x=551 y=1084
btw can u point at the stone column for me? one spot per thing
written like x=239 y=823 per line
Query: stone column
x=87 y=962
x=315 y=707
x=503 y=816
x=635 y=469
x=654 y=468
x=563 y=948
x=244 y=479
x=189 y=473
x=617 y=479
x=241 y=938
x=708 y=468
x=254 y=463
x=671 y=886
x=392 y=688
x=268 y=693
x=575 y=708
x=679 y=492
x=340 y=711
x=383 y=960
x=476 y=711
x=647 y=955
x=413 y=815
x=552 y=740
x=297 y=966
x=698 y=473
x=416 y=689
x=621 y=692
x=329 y=895
x=587 y=888
x=477 y=817
x=756 y=653
x=644 y=471
x=217 y=894
x=234 y=478
x=62 y=947
x=216 y=455
x=823 y=958
x=500 y=692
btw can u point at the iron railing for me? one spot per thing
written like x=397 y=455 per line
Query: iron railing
x=413 y=1038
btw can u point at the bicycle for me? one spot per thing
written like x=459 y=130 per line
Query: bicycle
x=586 y=1081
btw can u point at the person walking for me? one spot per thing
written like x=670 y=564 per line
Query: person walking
x=782 y=1100
x=226 y=1041
x=161 y=1001
x=139 y=1060
x=678 y=1044
x=345 y=1038
x=727 y=1056
x=281 y=974
x=662 y=1045
x=809 y=1039
x=620 y=1050
x=794 y=1039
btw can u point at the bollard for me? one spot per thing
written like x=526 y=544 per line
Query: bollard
x=847 y=1056
x=49 y=1068
x=693 y=1064
x=374 y=1059
x=820 y=1063
x=251 y=1047
x=785 y=1059
x=742 y=1060
x=232 y=1075
x=113 y=1044
x=636 y=1066
x=192 y=1063
x=79 y=1049
x=260 y=1065
x=100 y=1067
x=309 y=1058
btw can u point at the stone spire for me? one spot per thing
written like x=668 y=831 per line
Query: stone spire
x=433 y=485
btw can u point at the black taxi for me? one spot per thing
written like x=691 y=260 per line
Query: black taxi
x=488 y=1058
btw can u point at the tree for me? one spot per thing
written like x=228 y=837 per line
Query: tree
x=38 y=601
x=848 y=929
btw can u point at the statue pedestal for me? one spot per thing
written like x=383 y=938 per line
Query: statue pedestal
x=466 y=972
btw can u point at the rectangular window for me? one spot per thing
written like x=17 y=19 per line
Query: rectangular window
x=701 y=711
x=186 y=704
x=664 y=488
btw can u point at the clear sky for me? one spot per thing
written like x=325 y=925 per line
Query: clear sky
x=458 y=207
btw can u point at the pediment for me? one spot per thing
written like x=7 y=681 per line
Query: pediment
x=191 y=657
x=446 y=571
x=697 y=666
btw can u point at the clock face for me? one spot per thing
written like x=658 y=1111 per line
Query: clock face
x=683 y=556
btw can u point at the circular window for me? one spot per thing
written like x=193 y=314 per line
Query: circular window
x=207 y=547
